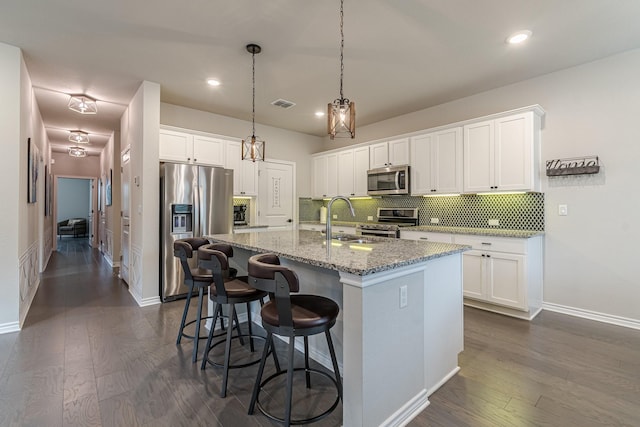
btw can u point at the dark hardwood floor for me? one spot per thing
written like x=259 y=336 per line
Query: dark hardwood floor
x=89 y=356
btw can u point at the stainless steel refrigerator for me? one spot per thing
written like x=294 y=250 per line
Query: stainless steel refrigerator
x=195 y=201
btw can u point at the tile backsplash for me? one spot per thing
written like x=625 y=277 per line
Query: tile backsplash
x=512 y=211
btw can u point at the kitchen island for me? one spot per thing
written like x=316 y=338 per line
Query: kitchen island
x=400 y=327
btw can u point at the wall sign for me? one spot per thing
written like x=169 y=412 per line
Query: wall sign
x=573 y=166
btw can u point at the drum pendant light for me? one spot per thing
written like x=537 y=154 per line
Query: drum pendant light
x=341 y=112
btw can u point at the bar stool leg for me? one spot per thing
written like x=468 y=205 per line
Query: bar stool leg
x=287 y=412
x=249 y=325
x=196 y=336
x=184 y=314
x=256 y=387
x=307 y=374
x=232 y=317
x=217 y=314
x=227 y=354
x=334 y=360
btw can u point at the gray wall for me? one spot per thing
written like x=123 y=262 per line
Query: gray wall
x=592 y=109
x=73 y=198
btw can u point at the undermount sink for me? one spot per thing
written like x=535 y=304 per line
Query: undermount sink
x=352 y=239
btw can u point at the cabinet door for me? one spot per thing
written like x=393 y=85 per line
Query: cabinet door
x=332 y=175
x=175 y=146
x=249 y=178
x=421 y=165
x=320 y=177
x=514 y=152
x=478 y=157
x=447 y=161
x=506 y=280
x=473 y=271
x=379 y=155
x=208 y=151
x=234 y=161
x=360 y=168
x=346 y=173
x=399 y=152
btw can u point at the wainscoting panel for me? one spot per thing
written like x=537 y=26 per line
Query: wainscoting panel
x=29 y=273
x=135 y=274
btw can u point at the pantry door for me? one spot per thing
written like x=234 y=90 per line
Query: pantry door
x=276 y=189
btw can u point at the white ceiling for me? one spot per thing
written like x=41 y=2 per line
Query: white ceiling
x=400 y=56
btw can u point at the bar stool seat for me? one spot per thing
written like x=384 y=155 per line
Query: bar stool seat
x=230 y=292
x=291 y=316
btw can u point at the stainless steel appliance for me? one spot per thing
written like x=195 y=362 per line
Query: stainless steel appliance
x=390 y=220
x=194 y=201
x=388 y=180
x=240 y=215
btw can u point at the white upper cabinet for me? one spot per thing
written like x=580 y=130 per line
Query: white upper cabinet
x=184 y=147
x=391 y=153
x=502 y=154
x=176 y=146
x=208 y=151
x=352 y=172
x=346 y=185
x=436 y=162
x=245 y=172
x=325 y=175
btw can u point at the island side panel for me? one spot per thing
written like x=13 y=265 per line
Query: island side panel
x=443 y=319
x=383 y=347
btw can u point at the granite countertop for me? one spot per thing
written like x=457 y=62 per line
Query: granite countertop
x=523 y=234
x=357 y=258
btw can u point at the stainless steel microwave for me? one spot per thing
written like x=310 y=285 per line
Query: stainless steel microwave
x=388 y=180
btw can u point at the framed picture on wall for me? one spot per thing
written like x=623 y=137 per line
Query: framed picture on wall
x=108 y=188
x=46 y=190
x=32 y=170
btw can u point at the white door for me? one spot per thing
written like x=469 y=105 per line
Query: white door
x=276 y=197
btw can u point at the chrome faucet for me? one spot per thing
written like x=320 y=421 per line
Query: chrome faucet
x=328 y=230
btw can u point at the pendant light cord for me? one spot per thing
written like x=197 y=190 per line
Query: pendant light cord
x=341 y=45
x=253 y=110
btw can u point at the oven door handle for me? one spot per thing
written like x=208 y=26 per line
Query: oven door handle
x=397 y=180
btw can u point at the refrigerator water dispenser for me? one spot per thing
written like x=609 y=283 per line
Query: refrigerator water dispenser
x=182 y=218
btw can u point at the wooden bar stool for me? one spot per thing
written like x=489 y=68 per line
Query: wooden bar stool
x=230 y=291
x=291 y=316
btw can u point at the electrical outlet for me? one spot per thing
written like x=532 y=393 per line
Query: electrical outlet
x=335 y=216
x=563 y=210
x=494 y=222
x=369 y=218
x=435 y=220
x=403 y=296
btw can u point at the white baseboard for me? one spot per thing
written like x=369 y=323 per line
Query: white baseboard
x=145 y=302
x=593 y=315
x=408 y=411
x=6 y=328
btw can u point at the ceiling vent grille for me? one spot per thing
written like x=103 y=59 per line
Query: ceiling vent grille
x=283 y=103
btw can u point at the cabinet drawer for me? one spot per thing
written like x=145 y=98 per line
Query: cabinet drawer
x=427 y=236
x=497 y=244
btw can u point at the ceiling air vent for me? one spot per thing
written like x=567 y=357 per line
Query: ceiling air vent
x=283 y=103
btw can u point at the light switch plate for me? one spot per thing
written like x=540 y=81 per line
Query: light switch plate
x=435 y=220
x=335 y=216
x=563 y=210
x=369 y=218
x=494 y=222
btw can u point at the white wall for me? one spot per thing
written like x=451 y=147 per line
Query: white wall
x=109 y=219
x=590 y=264
x=75 y=166
x=280 y=144
x=140 y=127
x=73 y=198
x=12 y=195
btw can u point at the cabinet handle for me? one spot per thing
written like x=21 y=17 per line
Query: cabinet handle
x=486 y=244
x=188 y=158
x=488 y=256
x=195 y=160
x=424 y=238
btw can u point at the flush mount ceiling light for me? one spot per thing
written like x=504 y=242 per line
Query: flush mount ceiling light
x=519 y=37
x=83 y=104
x=253 y=146
x=341 y=113
x=213 y=82
x=78 y=136
x=77 y=152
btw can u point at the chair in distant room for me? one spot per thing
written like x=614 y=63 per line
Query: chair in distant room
x=291 y=316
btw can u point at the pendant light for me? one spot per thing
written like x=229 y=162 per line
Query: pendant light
x=341 y=112
x=83 y=104
x=77 y=152
x=78 y=136
x=253 y=146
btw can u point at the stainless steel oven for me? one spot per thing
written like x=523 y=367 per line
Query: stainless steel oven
x=390 y=220
x=364 y=230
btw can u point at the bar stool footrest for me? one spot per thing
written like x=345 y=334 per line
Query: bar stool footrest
x=243 y=365
x=184 y=335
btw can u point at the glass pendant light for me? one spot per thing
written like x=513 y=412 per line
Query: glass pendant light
x=341 y=113
x=253 y=146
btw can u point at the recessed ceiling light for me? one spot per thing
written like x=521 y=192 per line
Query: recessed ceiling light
x=319 y=113
x=213 y=82
x=519 y=37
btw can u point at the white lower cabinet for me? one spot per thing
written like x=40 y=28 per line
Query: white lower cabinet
x=499 y=274
x=503 y=274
